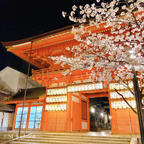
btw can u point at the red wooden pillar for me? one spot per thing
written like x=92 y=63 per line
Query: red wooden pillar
x=113 y=113
x=43 y=113
x=69 y=117
x=88 y=115
x=28 y=116
x=80 y=111
x=14 y=120
x=110 y=108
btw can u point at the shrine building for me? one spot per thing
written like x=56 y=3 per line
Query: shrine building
x=65 y=106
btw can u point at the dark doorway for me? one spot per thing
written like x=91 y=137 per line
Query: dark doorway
x=100 y=118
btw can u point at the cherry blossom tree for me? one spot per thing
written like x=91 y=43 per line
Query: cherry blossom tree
x=118 y=50
x=114 y=54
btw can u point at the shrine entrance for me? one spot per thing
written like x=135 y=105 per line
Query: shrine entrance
x=99 y=112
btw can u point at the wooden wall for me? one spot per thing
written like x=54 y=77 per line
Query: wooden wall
x=69 y=120
x=124 y=121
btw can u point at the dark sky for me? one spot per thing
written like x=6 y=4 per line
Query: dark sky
x=24 y=18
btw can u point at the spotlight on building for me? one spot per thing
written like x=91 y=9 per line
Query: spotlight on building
x=92 y=110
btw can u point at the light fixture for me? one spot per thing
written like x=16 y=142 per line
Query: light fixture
x=110 y=117
x=92 y=110
x=102 y=114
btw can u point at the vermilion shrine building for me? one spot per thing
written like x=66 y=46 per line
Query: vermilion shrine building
x=65 y=106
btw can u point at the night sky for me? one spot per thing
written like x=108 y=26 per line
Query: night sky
x=25 y=18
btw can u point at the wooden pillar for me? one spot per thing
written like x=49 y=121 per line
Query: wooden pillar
x=80 y=111
x=88 y=114
x=28 y=116
x=42 y=116
x=68 y=121
x=14 y=121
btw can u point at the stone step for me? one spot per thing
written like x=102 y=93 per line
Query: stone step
x=92 y=138
x=10 y=134
x=74 y=141
x=61 y=142
x=7 y=137
x=79 y=136
x=70 y=138
x=82 y=137
x=18 y=142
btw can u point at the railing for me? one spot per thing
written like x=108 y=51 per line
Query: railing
x=45 y=70
x=16 y=138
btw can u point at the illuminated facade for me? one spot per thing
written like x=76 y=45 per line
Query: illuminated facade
x=65 y=106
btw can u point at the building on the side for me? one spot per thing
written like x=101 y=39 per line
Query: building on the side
x=6 y=116
x=65 y=106
x=12 y=82
x=32 y=109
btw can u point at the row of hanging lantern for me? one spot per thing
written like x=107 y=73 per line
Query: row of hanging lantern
x=122 y=89
x=56 y=107
x=123 y=104
x=126 y=94
x=85 y=87
x=119 y=86
x=57 y=91
x=56 y=99
x=74 y=88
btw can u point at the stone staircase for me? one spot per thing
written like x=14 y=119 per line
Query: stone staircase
x=7 y=136
x=70 y=138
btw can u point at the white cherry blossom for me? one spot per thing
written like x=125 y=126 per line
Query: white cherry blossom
x=113 y=53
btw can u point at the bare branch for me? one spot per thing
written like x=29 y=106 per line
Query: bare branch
x=126 y=85
x=126 y=101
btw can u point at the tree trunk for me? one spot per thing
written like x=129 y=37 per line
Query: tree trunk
x=138 y=104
